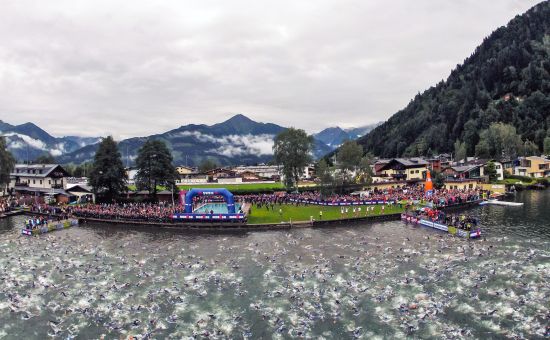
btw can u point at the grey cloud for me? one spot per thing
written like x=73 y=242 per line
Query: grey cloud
x=236 y=145
x=140 y=67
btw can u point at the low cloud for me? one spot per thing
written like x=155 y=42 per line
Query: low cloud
x=34 y=143
x=238 y=145
x=235 y=145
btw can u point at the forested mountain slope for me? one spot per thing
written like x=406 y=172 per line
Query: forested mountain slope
x=506 y=79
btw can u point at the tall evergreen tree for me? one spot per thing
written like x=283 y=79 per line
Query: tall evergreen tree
x=7 y=162
x=108 y=177
x=154 y=166
x=491 y=172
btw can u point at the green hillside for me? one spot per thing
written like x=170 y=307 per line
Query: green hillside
x=506 y=79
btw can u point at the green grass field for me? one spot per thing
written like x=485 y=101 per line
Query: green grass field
x=512 y=181
x=303 y=213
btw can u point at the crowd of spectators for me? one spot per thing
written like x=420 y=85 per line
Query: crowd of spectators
x=145 y=212
x=5 y=205
x=402 y=195
x=162 y=212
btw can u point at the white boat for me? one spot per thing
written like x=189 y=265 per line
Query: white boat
x=408 y=218
x=504 y=203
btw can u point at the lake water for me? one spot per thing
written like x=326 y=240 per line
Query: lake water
x=385 y=280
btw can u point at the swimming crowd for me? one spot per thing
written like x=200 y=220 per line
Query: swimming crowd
x=346 y=283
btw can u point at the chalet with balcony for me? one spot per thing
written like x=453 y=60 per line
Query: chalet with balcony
x=44 y=176
x=40 y=181
x=408 y=169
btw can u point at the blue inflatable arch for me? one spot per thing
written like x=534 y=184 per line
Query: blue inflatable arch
x=227 y=195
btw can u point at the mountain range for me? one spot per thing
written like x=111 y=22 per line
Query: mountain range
x=238 y=140
x=333 y=137
x=505 y=80
x=28 y=141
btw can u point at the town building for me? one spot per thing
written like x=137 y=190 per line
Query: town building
x=186 y=170
x=461 y=183
x=272 y=172
x=533 y=166
x=44 y=176
x=404 y=169
x=378 y=165
x=509 y=165
x=46 y=183
x=220 y=173
x=249 y=176
x=476 y=169
x=191 y=179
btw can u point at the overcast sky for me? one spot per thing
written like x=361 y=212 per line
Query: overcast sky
x=133 y=68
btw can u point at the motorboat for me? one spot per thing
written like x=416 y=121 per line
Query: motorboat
x=503 y=203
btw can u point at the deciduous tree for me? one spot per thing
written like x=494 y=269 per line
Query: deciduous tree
x=547 y=146
x=491 y=172
x=292 y=149
x=348 y=158
x=499 y=141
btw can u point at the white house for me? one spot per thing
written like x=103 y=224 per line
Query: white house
x=43 y=176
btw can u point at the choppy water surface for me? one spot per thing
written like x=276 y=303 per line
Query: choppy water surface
x=385 y=280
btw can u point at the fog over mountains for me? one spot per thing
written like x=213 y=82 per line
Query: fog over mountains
x=28 y=141
x=238 y=140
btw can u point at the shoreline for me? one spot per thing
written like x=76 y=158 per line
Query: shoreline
x=255 y=227
x=11 y=213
